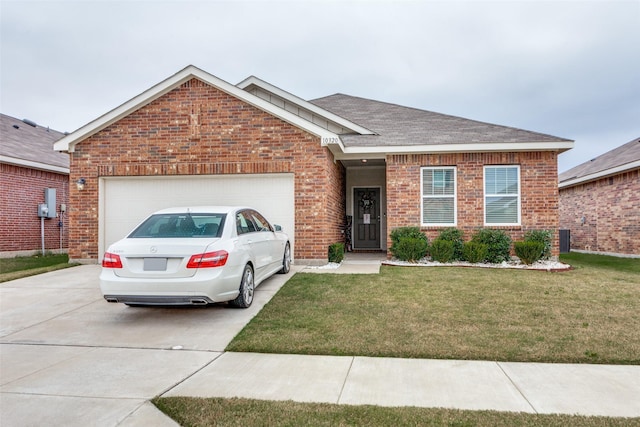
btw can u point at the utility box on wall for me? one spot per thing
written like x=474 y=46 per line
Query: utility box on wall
x=48 y=208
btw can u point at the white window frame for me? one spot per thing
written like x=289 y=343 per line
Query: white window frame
x=454 y=196
x=516 y=195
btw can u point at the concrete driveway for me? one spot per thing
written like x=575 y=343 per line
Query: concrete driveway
x=67 y=357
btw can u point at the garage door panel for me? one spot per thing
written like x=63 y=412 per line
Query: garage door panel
x=126 y=201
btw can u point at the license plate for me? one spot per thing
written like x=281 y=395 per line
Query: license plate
x=155 y=264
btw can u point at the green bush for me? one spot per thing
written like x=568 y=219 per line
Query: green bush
x=543 y=236
x=498 y=244
x=401 y=232
x=529 y=251
x=442 y=250
x=474 y=252
x=408 y=243
x=411 y=248
x=336 y=252
x=455 y=236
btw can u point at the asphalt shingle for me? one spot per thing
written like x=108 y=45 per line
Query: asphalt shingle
x=625 y=154
x=19 y=140
x=397 y=125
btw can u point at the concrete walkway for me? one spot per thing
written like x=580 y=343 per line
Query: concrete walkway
x=69 y=358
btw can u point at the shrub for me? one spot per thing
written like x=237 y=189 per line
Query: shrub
x=498 y=244
x=401 y=232
x=474 y=252
x=455 y=236
x=442 y=250
x=543 y=236
x=529 y=251
x=336 y=252
x=410 y=248
x=408 y=243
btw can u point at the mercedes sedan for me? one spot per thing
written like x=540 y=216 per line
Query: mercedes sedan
x=195 y=256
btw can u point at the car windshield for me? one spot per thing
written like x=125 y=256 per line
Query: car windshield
x=181 y=225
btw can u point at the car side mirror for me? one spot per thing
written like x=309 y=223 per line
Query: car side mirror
x=277 y=227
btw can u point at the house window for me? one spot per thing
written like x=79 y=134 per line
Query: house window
x=438 y=196
x=502 y=195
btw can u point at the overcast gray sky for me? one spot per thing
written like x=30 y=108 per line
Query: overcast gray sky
x=566 y=68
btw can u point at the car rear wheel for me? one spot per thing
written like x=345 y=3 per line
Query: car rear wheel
x=286 y=260
x=247 y=286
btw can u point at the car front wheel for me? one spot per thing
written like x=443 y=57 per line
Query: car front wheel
x=247 y=286
x=286 y=260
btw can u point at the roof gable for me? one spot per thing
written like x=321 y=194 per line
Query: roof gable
x=301 y=107
x=68 y=142
x=612 y=162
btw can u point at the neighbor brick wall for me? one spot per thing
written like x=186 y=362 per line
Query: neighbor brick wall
x=539 y=191
x=198 y=129
x=21 y=191
x=611 y=208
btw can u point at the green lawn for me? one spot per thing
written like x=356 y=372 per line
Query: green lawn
x=17 y=267
x=247 y=412
x=587 y=315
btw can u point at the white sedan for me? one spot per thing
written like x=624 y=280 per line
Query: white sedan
x=195 y=256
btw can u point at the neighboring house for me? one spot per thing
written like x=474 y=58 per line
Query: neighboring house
x=307 y=165
x=600 y=202
x=29 y=165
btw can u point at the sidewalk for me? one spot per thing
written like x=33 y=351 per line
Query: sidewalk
x=353 y=263
x=592 y=390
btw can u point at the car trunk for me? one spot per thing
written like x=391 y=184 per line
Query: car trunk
x=149 y=259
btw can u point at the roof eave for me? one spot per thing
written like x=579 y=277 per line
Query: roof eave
x=68 y=142
x=599 y=175
x=376 y=151
x=33 y=165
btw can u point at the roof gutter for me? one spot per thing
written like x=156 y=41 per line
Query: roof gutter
x=377 y=151
x=34 y=165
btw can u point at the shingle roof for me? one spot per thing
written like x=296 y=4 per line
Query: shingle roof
x=614 y=161
x=22 y=143
x=405 y=126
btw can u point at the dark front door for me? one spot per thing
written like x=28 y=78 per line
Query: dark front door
x=366 y=223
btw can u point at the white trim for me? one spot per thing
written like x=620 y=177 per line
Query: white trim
x=454 y=196
x=358 y=152
x=597 y=175
x=484 y=196
x=252 y=80
x=33 y=165
x=68 y=142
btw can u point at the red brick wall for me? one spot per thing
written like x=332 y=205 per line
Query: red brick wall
x=21 y=191
x=197 y=129
x=539 y=191
x=611 y=208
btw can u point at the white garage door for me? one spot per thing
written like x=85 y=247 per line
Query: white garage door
x=126 y=201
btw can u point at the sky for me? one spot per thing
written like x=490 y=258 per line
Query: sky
x=567 y=68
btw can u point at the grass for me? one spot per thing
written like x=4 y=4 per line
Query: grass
x=15 y=268
x=247 y=412
x=588 y=315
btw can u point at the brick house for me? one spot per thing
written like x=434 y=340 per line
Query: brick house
x=29 y=165
x=307 y=165
x=600 y=202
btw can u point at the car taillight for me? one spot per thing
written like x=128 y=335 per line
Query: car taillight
x=111 y=260
x=209 y=259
